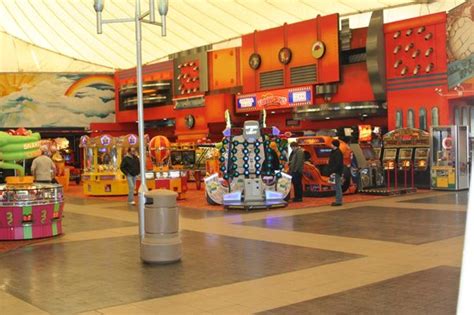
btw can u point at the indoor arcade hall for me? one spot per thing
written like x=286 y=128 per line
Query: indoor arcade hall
x=389 y=255
x=236 y=157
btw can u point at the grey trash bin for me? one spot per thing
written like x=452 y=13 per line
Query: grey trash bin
x=161 y=243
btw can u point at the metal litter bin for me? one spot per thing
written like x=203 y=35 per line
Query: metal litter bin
x=161 y=243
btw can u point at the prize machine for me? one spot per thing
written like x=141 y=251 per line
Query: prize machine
x=449 y=158
x=247 y=178
x=55 y=147
x=405 y=159
x=164 y=176
x=369 y=170
x=28 y=210
x=102 y=156
x=70 y=162
x=316 y=180
x=207 y=160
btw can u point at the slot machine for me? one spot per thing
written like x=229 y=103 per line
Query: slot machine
x=422 y=156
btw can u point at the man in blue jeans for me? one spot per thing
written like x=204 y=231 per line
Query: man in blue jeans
x=336 y=167
x=296 y=170
x=130 y=166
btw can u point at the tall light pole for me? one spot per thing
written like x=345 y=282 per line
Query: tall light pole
x=139 y=17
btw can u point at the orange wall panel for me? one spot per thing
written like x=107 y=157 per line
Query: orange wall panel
x=300 y=38
x=269 y=43
x=249 y=83
x=224 y=68
x=216 y=105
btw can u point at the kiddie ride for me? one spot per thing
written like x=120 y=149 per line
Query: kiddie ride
x=102 y=158
x=315 y=177
x=28 y=210
x=248 y=181
x=169 y=169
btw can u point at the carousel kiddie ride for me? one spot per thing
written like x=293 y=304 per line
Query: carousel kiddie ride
x=102 y=158
x=28 y=210
x=315 y=178
x=169 y=170
x=246 y=180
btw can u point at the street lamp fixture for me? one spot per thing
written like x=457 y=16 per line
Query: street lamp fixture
x=139 y=17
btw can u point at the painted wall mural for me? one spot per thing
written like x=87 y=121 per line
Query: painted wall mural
x=461 y=44
x=55 y=99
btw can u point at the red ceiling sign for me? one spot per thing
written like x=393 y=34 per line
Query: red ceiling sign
x=274 y=100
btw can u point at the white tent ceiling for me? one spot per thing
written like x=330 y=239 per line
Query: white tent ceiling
x=68 y=27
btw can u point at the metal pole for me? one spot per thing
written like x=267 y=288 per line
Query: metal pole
x=141 y=130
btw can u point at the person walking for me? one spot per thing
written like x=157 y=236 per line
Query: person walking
x=336 y=168
x=43 y=168
x=296 y=170
x=130 y=166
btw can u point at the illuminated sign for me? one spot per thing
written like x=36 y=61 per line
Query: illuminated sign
x=276 y=99
x=246 y=102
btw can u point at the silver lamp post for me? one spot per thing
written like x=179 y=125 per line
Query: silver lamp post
x=139 y=17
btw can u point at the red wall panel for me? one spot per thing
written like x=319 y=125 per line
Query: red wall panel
x=415 y=91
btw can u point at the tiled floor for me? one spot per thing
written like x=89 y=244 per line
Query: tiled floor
x=396 y=255
x=431 y=291
x=411 y=226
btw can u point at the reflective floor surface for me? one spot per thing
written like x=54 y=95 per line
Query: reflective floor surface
x=396 y=255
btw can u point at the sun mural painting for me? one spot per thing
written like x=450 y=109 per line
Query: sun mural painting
x=56 y=100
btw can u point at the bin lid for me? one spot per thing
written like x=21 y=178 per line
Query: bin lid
x=162 y=197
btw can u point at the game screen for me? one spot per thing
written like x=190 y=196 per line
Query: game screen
x=189 y=157
x=176 y=158
x=405 y=154
x=369 y=153
x=390 y=154
x=183 y=157
x=323 y=152
x=422 y=153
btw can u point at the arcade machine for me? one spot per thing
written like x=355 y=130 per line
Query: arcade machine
x=370 y=170
x=101 y=173
x=55 y=146
x=246 y=179
x=449 y=158
x=70 y=162
x=315 y=178
x=409 y=168
x=28 y=210
x=164 y=175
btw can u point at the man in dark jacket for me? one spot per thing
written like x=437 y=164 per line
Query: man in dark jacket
x=296 y=170
x=130 y=166
x=336 y=167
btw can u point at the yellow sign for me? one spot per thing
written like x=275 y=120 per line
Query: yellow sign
x=451 y=177
x=442 y=182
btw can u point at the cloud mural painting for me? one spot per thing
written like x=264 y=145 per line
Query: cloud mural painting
x=56 y=100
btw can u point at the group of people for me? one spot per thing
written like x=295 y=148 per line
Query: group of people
x=335 y=168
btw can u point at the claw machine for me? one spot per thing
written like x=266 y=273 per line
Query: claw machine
x=449 y=158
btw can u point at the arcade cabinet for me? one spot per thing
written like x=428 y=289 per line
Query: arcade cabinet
x=315 y=178
x=449 y=158
x=102 y=158
x=411 y=146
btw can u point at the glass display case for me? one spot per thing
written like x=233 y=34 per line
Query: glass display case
x=449 y=158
